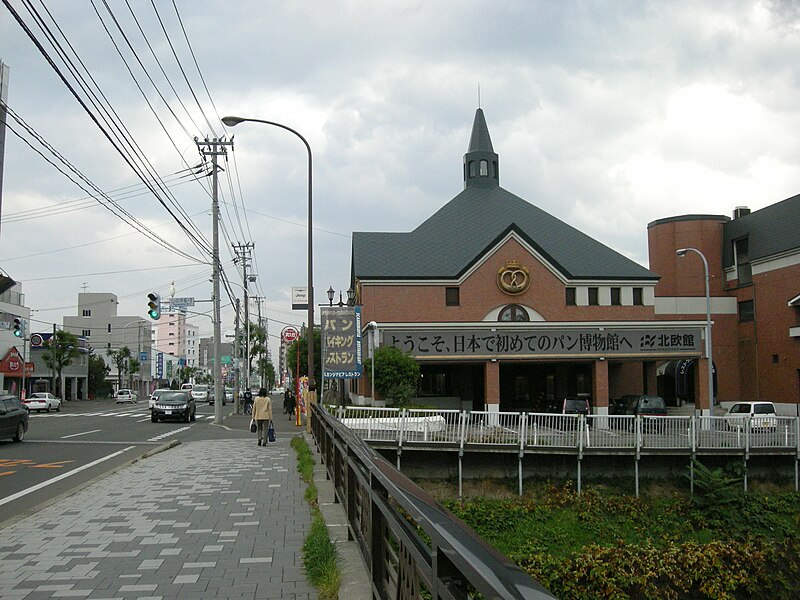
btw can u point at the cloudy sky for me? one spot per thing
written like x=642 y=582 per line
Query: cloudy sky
x=608 y=115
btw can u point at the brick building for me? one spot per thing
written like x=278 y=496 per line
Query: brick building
x=507 y=308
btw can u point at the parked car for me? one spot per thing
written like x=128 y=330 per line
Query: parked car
x=187 y=386
x=174 y=404
x=154 y=396
x=229 y=394
x=760 y=415
x=575 y=406
x=40 y=401
x=13 y=418
x=642 y=405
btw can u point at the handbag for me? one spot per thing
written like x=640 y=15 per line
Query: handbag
x=271 y=432
x=253 y=426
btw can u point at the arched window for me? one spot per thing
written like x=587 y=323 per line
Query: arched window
x=513 y=312
x=484 y=168
x=472 y=168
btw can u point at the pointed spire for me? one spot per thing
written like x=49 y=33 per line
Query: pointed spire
x=480 y=161
x=480 y=141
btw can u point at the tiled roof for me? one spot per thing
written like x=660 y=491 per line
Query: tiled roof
x=450 y=241
x=770 y=231
x=463 y=230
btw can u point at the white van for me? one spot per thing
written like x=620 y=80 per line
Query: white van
x=187 y=386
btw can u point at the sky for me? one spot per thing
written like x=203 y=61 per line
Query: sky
x=608 y=115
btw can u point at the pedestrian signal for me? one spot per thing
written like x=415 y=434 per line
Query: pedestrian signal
x=154 y=306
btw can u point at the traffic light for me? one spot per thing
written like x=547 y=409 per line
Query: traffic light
x=154 y=306
x=18 y=327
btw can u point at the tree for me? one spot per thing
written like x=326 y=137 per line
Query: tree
x=98 y=371
x=120 y=359
x=301 y=346
x=397 y=375
x=134 y=366
x=62 y=350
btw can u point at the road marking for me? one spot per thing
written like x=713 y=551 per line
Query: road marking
x=63 y=437
x=167 y=434
x=7 y=473
x=52 y=465
x=39 y=486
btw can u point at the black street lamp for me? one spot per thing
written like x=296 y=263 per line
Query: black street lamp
x=232 y=121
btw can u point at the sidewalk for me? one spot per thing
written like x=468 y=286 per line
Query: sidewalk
x=215 y=519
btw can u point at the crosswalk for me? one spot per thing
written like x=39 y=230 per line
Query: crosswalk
x=135 y=414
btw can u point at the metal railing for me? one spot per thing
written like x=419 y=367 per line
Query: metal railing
x=545 y=432
x=412 y=546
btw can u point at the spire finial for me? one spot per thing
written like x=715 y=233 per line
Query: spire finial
x=479 y=95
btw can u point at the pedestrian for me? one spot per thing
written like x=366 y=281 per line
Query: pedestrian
x=262 y=413
x=288 y=403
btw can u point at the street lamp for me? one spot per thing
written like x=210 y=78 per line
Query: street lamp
x=682 y=252
x=233 y=121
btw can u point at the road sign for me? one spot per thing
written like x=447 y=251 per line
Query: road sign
x=289 y=334
x=299 y=298
x=181 y=302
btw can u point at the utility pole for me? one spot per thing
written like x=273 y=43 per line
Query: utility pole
x=237 y=366
x=243 y=252
x=214 y=148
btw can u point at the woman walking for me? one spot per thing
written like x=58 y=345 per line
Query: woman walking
x=262 y=413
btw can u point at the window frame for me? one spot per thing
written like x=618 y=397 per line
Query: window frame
x=449 y=293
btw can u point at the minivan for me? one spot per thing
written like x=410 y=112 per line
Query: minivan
x=760 y=415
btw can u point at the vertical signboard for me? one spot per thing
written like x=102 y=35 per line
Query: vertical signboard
x=341 y=341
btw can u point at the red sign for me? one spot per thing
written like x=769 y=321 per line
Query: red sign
x=289 y=334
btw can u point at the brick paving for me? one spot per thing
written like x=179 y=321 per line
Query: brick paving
x=219 y=519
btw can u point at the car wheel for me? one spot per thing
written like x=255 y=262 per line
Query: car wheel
x=187 y=416
x=20 y=435
x=58 y=407
x=48 y=408
x=153 y=418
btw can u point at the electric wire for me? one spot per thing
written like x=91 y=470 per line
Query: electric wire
x=122 y=135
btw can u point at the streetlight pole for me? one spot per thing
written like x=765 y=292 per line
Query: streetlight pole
x=312 y=384
x=682 y=252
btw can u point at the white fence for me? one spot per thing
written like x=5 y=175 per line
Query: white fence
x=546 y=431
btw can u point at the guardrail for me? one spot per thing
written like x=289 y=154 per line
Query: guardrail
x=412 y=546
x=547 y=433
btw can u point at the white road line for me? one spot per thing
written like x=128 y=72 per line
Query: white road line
x=39 y=486
x=63 y=437
x=167 y=434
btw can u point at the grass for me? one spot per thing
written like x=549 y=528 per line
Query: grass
x=320 y=556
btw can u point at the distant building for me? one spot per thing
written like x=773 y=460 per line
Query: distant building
x=12 y=348
x=97 y=321
x=507 y=308
x=177 y=342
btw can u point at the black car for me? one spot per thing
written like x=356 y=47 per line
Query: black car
x=13 y=418
x=575 y=406
x=177 y=404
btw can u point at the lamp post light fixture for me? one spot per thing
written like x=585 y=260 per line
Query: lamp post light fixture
x=231 y=122
x=682 y=252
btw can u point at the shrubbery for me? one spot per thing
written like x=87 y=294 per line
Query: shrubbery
x=720 y=544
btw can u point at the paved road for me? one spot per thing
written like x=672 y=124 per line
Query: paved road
x=218 y=519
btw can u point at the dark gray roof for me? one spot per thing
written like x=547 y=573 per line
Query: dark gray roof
x=455 y=237
x=463 y=230
x=770 y=231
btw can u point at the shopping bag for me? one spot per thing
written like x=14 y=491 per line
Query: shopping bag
x=253 y=426
x=271 y=432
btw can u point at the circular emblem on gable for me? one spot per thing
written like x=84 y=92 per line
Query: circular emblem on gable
x=513 y=278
